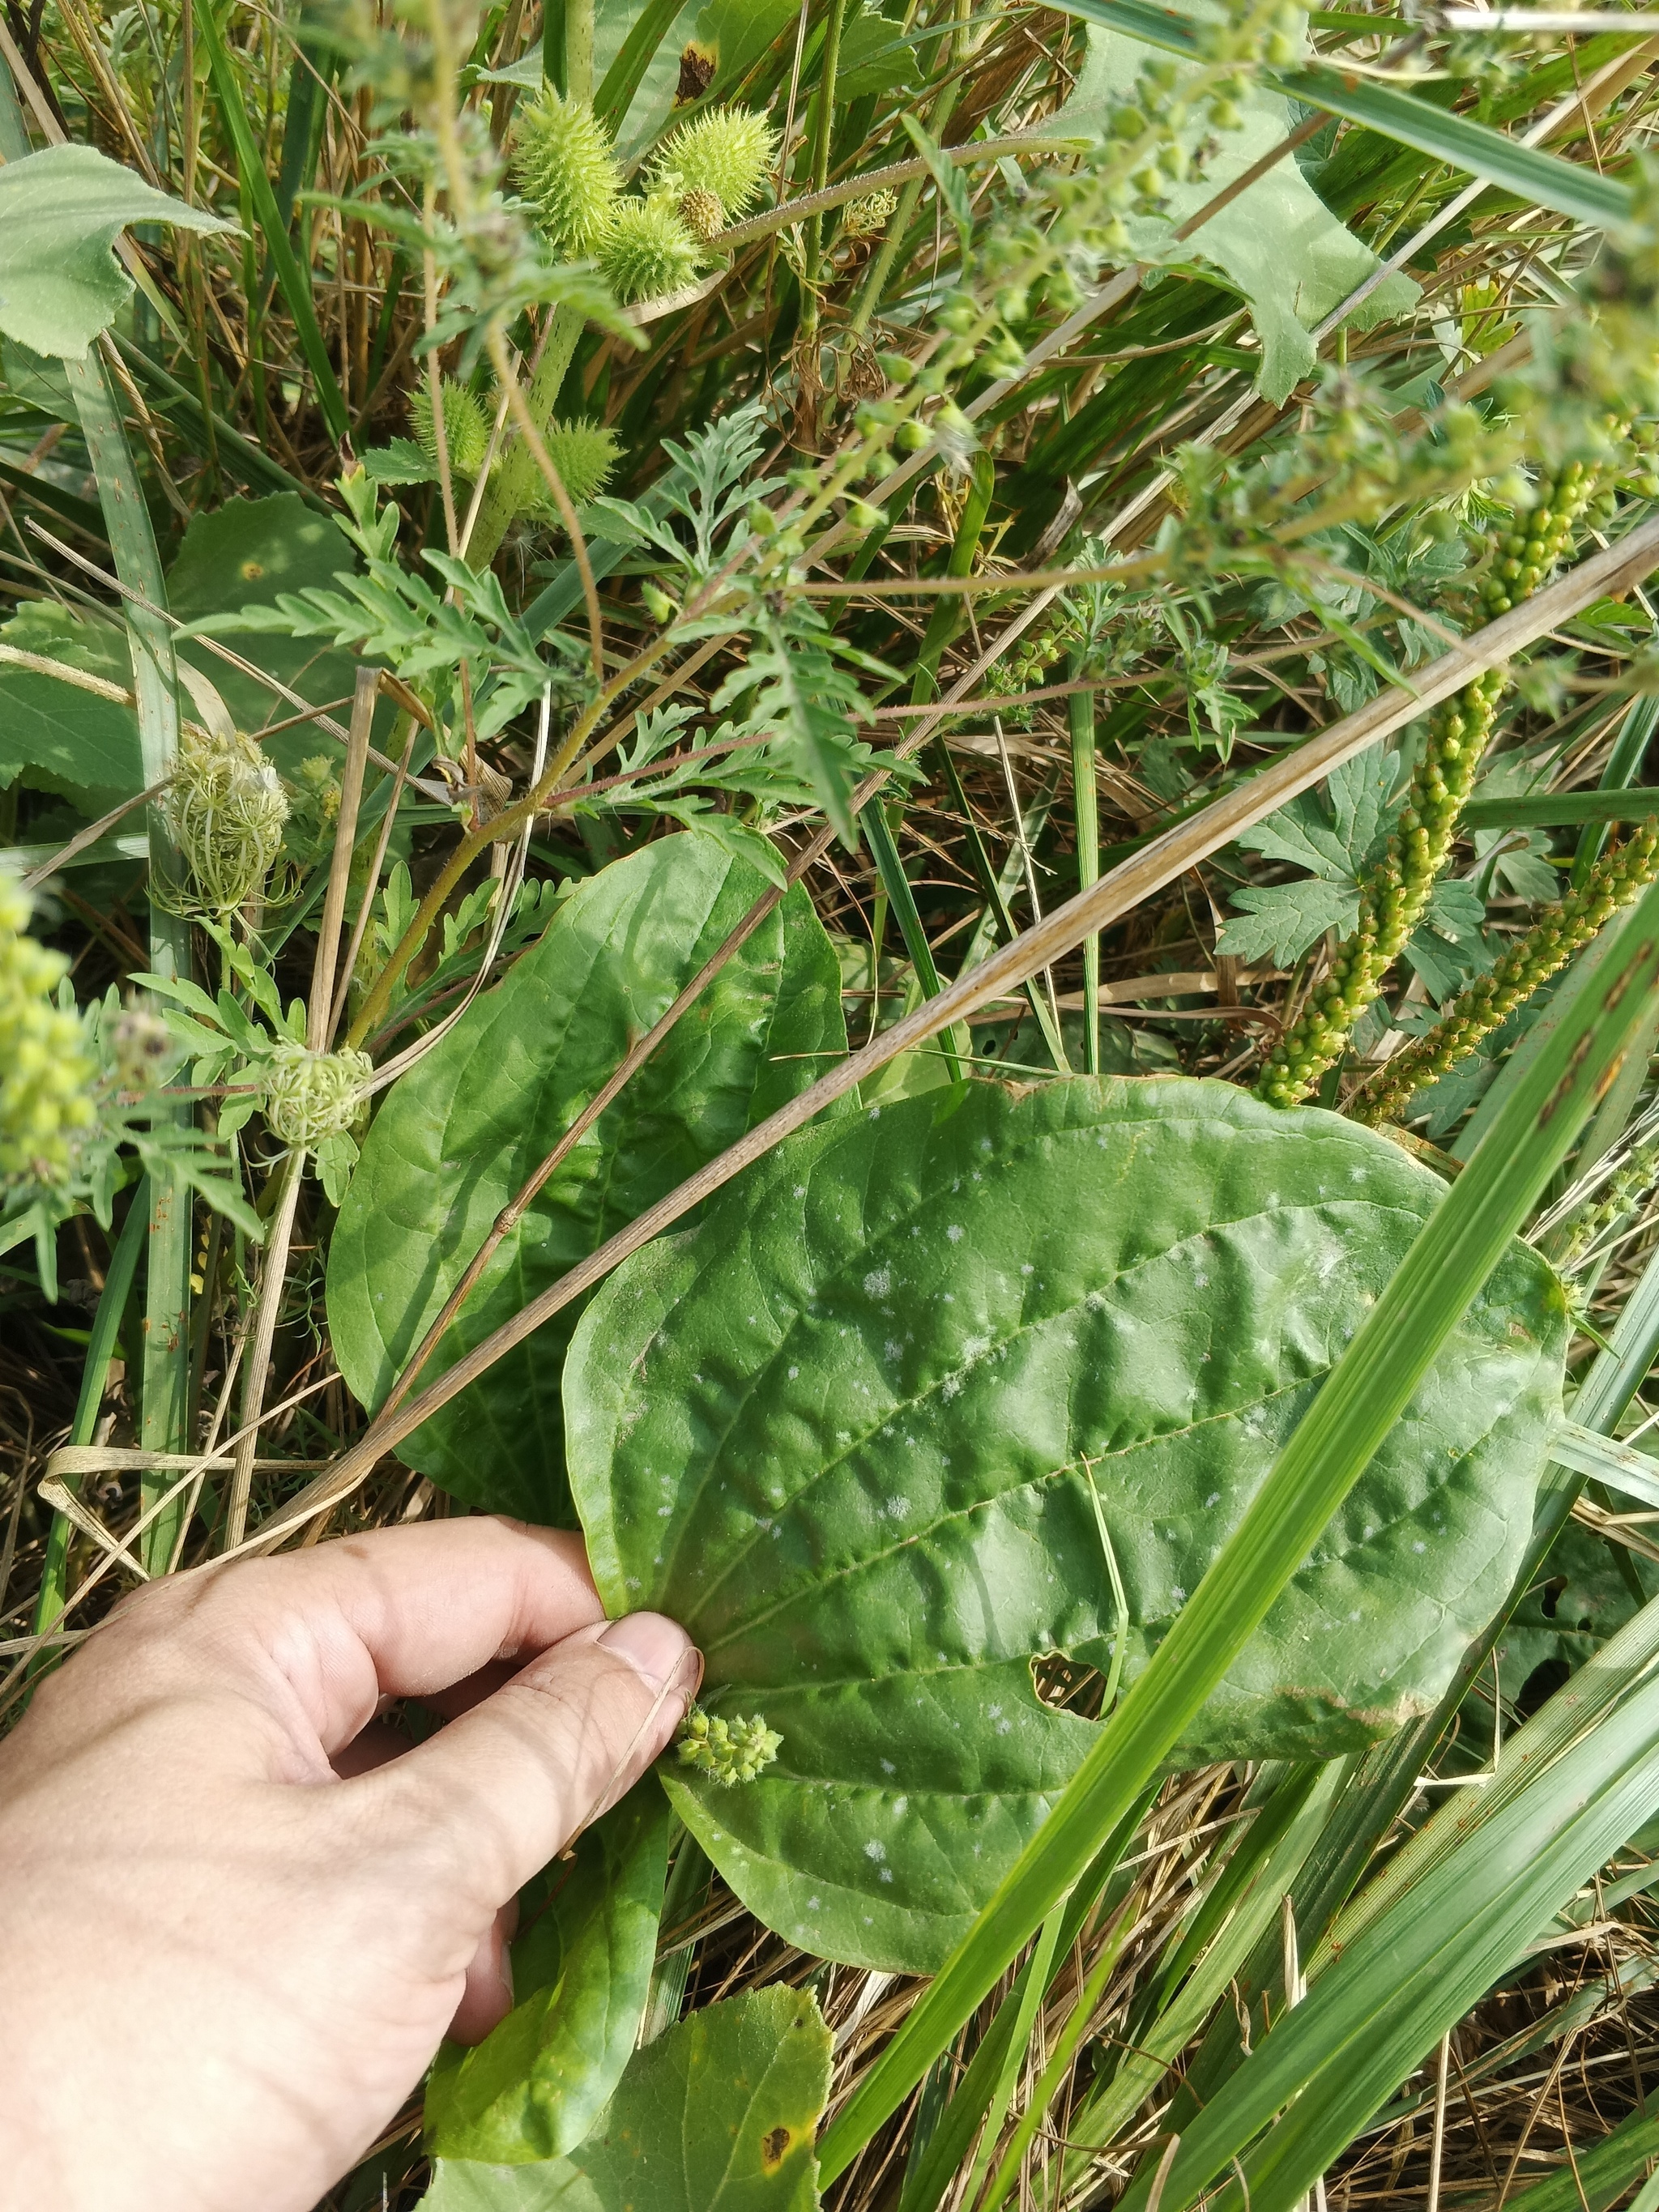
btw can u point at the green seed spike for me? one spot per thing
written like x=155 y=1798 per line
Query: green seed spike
x=45 y=1073
x=727 y=152
x=1397 y=889
x=648 y=251
x=467 y=426
x=564 y=165
x=727 y=1751
x=1546 y=947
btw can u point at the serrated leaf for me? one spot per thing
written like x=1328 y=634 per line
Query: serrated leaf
x=718 y=2115
x=1281 y=921
x=61 y=211
x=840 y=1432
x=531 y=2090
x=460 y=1132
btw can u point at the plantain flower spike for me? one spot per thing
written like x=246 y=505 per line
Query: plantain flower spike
x=467 y=426
x=727 y=1751
x=46 y=1071
x=563 y=166
x=226 y=809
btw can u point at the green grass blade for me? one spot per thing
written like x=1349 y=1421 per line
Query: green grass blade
x=1598 y=2176
x=1624 y=761
x=1365 y=1393
x=1539 y=178
x=1085 y=800
x=101 y=1347
x=256 y=182
x=1560 y=810
x=902 y=900
x=1329 y=2064
x=166 y=1362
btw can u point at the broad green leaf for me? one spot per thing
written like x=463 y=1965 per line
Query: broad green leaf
x=244 y=555
x=531 y=2090
x=462 y=1130
x=847 y=1431
x=1280 y=920
x=55 y=736
x=1468 y=1240
x=461 y=2184
x=1278 y=242
x=61 y=211
x=718 y=2115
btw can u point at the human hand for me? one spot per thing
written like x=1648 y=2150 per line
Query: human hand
x=237 y=1913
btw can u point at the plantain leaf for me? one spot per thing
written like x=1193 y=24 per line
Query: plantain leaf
x=718 y=2115
x=531 y=2088
x=840 y=1430
x=61 y=211
x=462 y=1131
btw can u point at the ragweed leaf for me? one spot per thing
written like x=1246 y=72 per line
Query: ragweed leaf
x=851 y=1429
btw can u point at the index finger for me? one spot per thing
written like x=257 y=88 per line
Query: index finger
x=399 y=1613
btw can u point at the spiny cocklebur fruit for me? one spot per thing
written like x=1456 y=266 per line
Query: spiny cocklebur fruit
x=467 y=426
x=1395 y=892
x=564 y=168
x=727 y=1751
x=1613 y=883
x=647 y=250
x=46 y=1074
x=585 y=454
x=310 y=1097
x=225 y=810
x=713 y=167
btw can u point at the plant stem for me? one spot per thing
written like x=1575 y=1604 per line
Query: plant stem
x=166 y=1363
x=513 y=480
x=1086 y=802
x=822 y=134
x=273 y=1274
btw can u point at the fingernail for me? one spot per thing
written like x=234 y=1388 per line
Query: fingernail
x=654 y=1646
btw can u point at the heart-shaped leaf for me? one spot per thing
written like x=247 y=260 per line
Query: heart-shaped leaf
x=462 y=1130
x=854 y=1430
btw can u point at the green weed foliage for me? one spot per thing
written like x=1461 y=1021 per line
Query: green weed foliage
x=861 y=792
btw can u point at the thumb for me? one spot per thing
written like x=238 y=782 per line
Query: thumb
x=499 y=1790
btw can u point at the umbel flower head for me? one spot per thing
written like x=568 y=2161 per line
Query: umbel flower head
x=647 y=250
x=466 y=427
x=226 y=808
x=726 y=153
x=727 y=1751
x=564 y=166
x=313 y=1095
x=46 y=1071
